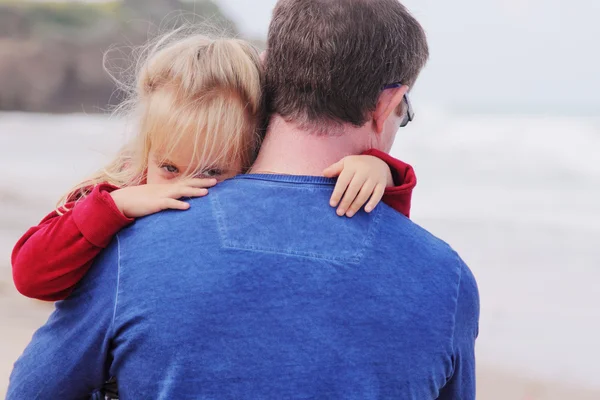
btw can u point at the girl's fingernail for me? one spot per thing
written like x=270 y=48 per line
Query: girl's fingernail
x=340 y=212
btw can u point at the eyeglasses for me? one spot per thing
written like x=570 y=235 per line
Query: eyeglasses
x=410 y=114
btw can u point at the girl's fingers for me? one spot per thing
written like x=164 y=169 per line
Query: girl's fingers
x=189 y=192
x=350 y=195
x=375 y=198
x=340 y=187
x=172 y=204
x=199 y=182
x=334 y=170
x=363 y=196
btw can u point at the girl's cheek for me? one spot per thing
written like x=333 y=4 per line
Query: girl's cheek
x=161 y=178
x=151 y=177
x=154 y=175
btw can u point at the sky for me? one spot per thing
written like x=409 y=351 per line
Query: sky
x=529 y=56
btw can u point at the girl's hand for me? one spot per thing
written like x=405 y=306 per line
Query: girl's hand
x=142 y=200
x=360 y=179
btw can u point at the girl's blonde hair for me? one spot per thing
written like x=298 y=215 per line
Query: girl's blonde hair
x=201 y=90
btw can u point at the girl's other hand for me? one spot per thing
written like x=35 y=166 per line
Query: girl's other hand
x=360 y=179
x=142 y=200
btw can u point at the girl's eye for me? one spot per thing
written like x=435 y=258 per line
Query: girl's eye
x=212 y=172
x=170 y=168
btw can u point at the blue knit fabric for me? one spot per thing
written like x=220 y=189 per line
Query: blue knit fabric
x=259 y=291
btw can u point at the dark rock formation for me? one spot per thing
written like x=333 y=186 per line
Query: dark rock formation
x=51 y=57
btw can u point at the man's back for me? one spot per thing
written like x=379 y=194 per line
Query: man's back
x=261 y=291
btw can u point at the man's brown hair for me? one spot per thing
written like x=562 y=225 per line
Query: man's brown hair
x=328 y=60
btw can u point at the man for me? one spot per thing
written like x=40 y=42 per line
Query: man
x=260 y=290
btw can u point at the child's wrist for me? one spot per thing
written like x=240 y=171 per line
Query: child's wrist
x=390 y=179
x=117 y=198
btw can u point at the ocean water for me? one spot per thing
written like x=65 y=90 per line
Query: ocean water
x=517 y=196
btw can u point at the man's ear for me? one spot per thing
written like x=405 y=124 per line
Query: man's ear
x=388 y=102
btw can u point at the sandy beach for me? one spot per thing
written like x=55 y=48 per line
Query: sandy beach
x=521 y=204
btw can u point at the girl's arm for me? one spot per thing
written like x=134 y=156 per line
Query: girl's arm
x=53 y=256
x=399 y=195
x=369 y=178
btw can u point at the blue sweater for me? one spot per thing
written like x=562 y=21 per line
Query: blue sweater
x=259 y=291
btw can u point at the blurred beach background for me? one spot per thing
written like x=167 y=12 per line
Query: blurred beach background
x=505 y=144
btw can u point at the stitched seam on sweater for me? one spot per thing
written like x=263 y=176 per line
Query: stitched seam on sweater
x=455 y=311
x=355 y=259
x=214 y=199
x=112 y=322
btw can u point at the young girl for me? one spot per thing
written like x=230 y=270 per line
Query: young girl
x=197 y=103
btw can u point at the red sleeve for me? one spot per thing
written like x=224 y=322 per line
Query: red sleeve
x=51 y=258
x=398 y=196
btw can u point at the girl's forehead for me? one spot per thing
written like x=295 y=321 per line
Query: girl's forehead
x=178 y=144
x=188 y=153
x=179 y=154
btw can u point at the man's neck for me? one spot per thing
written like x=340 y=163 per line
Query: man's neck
x=287 y=149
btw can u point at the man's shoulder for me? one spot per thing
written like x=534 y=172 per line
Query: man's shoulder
x=166 y=228
x=413 y=243
x=399 y=228
x=170 y=226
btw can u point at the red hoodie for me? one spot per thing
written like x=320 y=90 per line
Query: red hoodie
x=51 y=258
